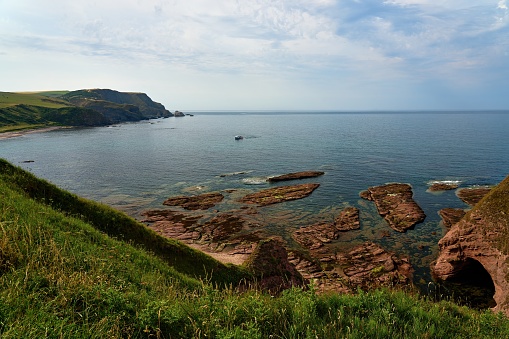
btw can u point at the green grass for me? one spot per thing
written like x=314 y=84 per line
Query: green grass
x=42 y=99
x=72 y=268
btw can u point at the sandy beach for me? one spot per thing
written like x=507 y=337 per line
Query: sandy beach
x=13 y=134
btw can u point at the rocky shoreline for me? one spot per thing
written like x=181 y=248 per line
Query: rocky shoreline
x=307 y=254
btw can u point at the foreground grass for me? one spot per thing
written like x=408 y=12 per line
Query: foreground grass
x=60 y=276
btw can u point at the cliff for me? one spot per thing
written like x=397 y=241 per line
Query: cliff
x=479 y=244
x=88 y=107
x=118 y=106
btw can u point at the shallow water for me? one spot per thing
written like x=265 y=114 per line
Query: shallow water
x=136 y=166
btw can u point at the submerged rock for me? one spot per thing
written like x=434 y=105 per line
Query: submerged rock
x=443 y=186
x=348 y=219
x=296 y=175
x=195 y=202
x=279 y=194
x=472 y=196
x=395 y=204
x=315 y=236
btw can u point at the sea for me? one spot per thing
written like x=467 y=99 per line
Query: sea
x=136 y=166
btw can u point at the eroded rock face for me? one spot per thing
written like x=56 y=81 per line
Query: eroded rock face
x=279 y=194
x=472 y=196
x=451 y=216
x=296 y=175
x=195 y=202
x=395 y=204
x=269 y=263
x=483 y=236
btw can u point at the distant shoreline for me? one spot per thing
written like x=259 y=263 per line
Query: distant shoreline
x=14 y=134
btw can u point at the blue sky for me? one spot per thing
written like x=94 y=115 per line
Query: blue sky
x=261 y=54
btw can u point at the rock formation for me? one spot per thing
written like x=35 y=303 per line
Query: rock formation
x=442 y=186
x=481 y=237
x=369 y=265
x=269 y=264
x=315 y=236
x=472 y=196
x=296 y=175
x=451 y=216
x=279 y=194
x=394 y=202
x=195 y=202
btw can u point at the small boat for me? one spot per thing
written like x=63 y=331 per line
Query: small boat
x=239 y=137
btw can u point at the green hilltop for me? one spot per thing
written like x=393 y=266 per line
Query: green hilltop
x=91 y=107
x=73 y=268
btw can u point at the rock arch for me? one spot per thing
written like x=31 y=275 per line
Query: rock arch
x=469 y=248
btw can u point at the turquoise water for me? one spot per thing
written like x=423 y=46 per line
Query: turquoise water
x=136 y=166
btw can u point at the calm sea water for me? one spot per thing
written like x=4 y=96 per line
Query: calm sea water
x=136 y=166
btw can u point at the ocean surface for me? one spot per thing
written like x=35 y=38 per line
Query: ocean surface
x=136 y=166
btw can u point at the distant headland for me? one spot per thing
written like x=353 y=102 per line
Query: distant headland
x=86 y=107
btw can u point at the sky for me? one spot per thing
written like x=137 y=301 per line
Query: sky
x=264 y=54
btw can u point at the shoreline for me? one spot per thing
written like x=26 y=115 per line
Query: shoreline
x=14 y=134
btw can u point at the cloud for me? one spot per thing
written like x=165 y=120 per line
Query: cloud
x=314 y=42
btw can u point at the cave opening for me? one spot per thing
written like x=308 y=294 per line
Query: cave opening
x=471 y=286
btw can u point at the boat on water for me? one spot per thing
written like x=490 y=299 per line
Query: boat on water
x=239 y=137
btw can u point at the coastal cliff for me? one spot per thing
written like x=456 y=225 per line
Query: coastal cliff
x=118 y=106
x=87 y=107
x=479 y=244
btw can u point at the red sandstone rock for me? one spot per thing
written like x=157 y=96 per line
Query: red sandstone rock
x=195 y=202
x=451 y=216
x=297 y=175
x=348 y=219
x=221 y=227
x=369 y=265
x=442 y=186
x=279 y=194
x=315 y=236
x=395 y=203
x=482 y=236
x=269 y=263
x=472 y=196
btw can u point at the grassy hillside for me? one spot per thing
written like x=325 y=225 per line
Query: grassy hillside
x=41 y=99
x=71 y=268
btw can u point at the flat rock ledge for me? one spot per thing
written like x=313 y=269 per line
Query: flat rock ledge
x=472 y=196
x=369 y=265
x=451 y=216
x=195 y=202
x=315 y=236
x=395 y=204
x=279 y=194
x=296 y=175
x=442 y=186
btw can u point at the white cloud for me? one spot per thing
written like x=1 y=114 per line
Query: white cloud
x=308 y=41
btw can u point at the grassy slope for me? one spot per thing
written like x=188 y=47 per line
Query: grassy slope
x=19 y=111
x=494 y=207
x=8 y=99
x=61 y=277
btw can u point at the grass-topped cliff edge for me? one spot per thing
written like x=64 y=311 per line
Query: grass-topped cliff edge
x=88 y=107
x=73 y=268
